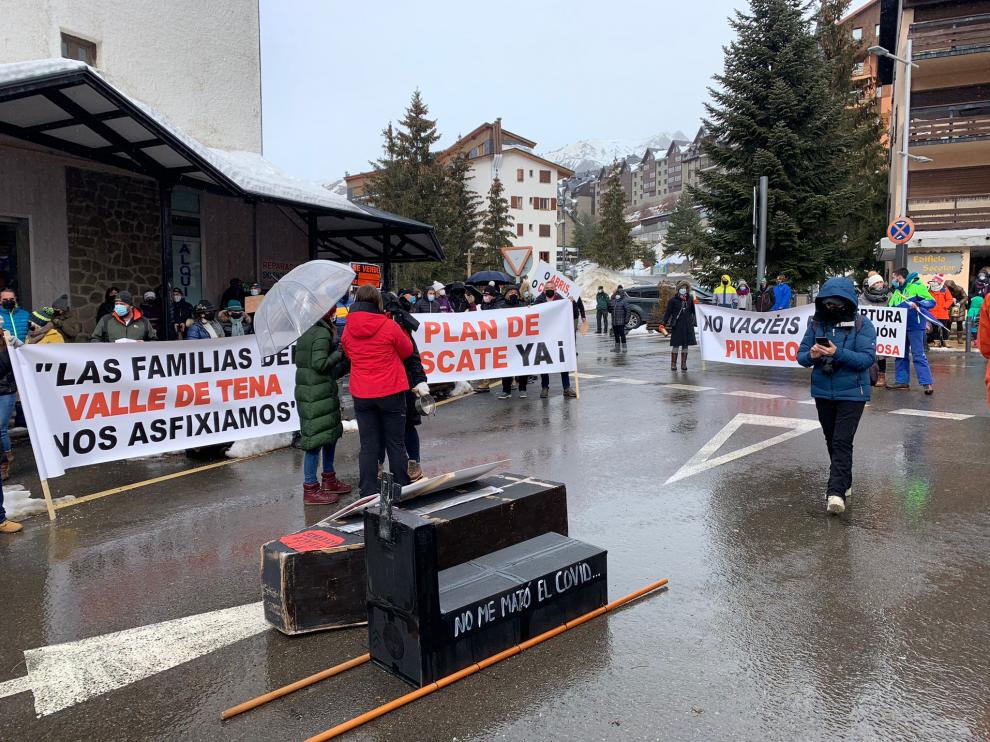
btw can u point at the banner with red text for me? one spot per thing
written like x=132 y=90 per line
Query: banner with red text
x=96 y=402
x=543 y=275
x=496 y=343
x=773 y=338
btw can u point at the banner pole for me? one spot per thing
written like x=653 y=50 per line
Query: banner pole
x=48 y=499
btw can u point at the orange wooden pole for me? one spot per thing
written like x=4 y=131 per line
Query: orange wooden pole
x=292 y=687
x=472 y=669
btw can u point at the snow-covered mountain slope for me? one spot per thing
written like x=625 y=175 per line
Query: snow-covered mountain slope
x=338 y=186
x=592 y=154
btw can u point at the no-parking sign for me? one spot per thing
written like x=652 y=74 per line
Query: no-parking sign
x=900 y=231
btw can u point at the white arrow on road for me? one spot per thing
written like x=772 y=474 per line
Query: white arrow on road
x=62 y=675
x=703 y=460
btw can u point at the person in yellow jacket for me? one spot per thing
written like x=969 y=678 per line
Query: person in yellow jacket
x=41 y=328
x=725 y=294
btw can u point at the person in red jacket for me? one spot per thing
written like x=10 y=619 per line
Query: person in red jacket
x=943 y=306
x=983 y=341
x=376 y=347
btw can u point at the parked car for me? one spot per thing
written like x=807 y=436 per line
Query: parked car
x=642 y=300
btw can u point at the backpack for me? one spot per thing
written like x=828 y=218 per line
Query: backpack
x=875 y=368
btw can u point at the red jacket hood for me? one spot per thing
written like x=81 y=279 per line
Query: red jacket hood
x=363 y=324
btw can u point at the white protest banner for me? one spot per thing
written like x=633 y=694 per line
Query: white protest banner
x=752 y=338
x=97 y=402
x=891 y=326
x=773 y=338
x=500 y=342
x=542 y=274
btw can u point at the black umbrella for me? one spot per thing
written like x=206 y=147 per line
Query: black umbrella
x=485 y=277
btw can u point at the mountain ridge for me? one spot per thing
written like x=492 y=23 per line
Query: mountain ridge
x=586 y=155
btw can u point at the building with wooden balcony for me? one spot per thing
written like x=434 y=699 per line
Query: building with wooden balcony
x=948 y=183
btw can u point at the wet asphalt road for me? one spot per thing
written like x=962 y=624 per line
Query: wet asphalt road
x=780 y=622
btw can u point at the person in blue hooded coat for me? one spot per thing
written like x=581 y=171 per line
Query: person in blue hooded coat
x=840 y=378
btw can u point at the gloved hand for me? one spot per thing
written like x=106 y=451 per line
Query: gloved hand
x=421 y=389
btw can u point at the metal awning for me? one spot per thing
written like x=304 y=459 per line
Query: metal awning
x=65 y=105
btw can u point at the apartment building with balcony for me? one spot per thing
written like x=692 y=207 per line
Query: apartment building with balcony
x=948 y=184
x=529 y=181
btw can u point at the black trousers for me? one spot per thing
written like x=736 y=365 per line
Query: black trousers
x=839 y=422
x=620 y=333
x=602 y=320
x=382 y=418
x=522 y=381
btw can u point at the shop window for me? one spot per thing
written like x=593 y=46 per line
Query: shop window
x=76 y=48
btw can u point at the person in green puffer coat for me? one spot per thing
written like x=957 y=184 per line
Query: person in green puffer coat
x=320 y=361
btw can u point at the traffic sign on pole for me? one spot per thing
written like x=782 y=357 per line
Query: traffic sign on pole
x=516 y=259
x=900 y=231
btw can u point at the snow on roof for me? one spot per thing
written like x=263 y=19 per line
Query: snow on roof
x=248 y=170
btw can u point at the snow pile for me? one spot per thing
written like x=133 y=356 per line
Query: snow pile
x=592 y=277
x=18 y=502
x=255 y=446
x=350 y=426
x=641 y=330
x=460 y=389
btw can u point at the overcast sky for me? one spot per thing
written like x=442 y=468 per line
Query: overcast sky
x=334 y=73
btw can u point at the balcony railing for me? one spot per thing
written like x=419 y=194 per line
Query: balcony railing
x=956 y=212
x=965 y=35
x=950 y=124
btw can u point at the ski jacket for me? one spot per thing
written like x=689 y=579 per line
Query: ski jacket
x=916 y=293
x=376 y=347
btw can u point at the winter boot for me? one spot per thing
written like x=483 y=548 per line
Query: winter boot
x=10 y=526
x=617 y=347
x=333 y=486
x=414 y=470
x=836 y=505
x=881 y=379
x=313 y=495
x=673 y=360
x=683 y=360
x=624 y=346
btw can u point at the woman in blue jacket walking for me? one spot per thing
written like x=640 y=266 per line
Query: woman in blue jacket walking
x=840 y=348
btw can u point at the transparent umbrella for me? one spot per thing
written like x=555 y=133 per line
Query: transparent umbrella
x=297 y=301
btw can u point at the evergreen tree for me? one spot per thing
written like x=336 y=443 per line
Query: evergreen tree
x=775 y=114
x=496 y=231
x=613 y=247
x=865 y=154
x=686 y=236
x=583 y=234
x=458 y=222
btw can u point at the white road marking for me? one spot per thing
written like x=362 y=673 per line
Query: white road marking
x=621 y=380
x=701 y=461
x=932 y=413
x=689 y=387
x=62 y=675
x=754 y=395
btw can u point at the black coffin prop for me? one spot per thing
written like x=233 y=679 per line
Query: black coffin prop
x=425 y=623
x=315 y=578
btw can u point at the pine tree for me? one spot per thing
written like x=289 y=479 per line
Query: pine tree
x=613 y=247
x=458 y=224
x=686 y=236
x=775 y=114
x=583 y=234
x=865 y=155
x=495 y=232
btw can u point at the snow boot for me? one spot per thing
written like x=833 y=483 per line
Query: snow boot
x=10 y=526
x=673 y=360
x=836 y=505
x=333 y=486
x=414 y=470
x=683 y=360
x=313 y=495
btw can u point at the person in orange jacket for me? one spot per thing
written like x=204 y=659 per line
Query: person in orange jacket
x=983 y=342
x=941 y=311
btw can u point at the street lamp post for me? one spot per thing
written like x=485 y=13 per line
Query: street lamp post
x=900 y=251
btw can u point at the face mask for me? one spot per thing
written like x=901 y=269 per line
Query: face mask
x=512 y=299
x=896 y=283
x=430 y=297
x=551 y=294
x=982 y=276
x=176 y=298
x=121 y=310
x=8 y=304
x=208 y=317
x=255 y=292
x=682 y=292
x=236 y=315
x=724 y=282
